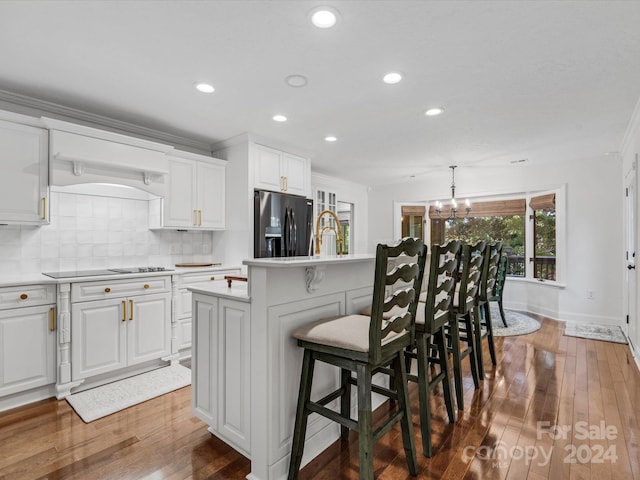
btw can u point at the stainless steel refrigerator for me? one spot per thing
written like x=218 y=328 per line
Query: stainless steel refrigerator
x=282 y=224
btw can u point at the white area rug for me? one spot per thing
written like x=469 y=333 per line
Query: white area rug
x=606 y=333
x=518 y=323
x=107 y=399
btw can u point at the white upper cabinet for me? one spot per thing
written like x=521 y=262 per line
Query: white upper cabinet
x=24 y=174
x=280 y=171
x=195 y=197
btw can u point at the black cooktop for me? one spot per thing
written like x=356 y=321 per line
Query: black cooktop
x=110 y=271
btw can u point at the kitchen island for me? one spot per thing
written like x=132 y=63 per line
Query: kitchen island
x=246 y=366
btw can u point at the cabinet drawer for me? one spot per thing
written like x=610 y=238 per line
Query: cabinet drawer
x=85 y=291
x=27 y=296
x=183 y=300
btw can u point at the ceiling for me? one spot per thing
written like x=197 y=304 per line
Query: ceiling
x=545 y=81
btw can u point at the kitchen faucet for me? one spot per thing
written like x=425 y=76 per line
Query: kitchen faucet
x=318 y=234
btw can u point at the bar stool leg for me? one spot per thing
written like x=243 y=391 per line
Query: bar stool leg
x=365 y=422
x=345 y=401
x=477 y=340
x=400 y=379
x=423 y=393
x=300 y=428
x=489 y=322
x=444 y=365
x=473 y=342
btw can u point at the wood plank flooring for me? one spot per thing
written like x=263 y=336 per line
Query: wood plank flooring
x=569 y=384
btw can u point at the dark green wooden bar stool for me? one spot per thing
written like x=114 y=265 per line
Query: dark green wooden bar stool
x=484 y=329
x=365 y=345
x=466 y=314
x=496 y=295
x=433 y=315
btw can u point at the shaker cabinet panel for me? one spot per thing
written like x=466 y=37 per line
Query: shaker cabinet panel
x=27 y=349
x=178 y=208
x=280 y=171
x=149 y=328
x=24 y=174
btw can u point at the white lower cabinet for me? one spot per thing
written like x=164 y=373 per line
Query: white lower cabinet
x=182 y=305
x=27 y=348
x=119 y=332
x=221 y=368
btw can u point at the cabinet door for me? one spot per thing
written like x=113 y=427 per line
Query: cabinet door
x=24 y=174
x=204 y=366
x=99 y=337
x=296 y=173
x=267 y=168
x=179 y=204
x=210 y=187
x=149 y=327
x=27 y=349
x=234 y=383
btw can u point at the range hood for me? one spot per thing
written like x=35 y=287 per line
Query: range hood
x=81 y=155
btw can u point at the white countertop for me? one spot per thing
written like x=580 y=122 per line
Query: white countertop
x=237 y=291
x=16 y=279
x=285 y=262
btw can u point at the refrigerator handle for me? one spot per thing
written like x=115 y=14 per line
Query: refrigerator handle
x=294 y=234
x=286 y=233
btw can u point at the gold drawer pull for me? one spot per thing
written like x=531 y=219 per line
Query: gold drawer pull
x=24 y=296
x=213 y=278
x=107 y=290
x=146 y=285
x=44 y=208
x=124 y=311
x=52 y=319
x=131 y=307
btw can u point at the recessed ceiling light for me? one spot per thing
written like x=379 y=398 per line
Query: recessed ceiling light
x=205 y=88
x=432 y=112
x=296 y=80
x=324 y=17
x=392 y=78
x=280 y=118
x=330 y=138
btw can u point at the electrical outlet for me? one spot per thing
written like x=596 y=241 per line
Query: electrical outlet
x=591 y=295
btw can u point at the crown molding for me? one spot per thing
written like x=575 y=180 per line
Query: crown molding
x=34 y=106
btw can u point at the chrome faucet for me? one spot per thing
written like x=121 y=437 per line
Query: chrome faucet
x=336 y=229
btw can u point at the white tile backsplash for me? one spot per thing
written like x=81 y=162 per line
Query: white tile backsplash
x=88 y=232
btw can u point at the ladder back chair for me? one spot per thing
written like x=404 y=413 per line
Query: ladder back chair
x=465 y=310
x=433 y=315
x=498 y=289
x=487 y=286
x=366 y=344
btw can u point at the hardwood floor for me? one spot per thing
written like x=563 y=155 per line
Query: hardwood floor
x=565 y=382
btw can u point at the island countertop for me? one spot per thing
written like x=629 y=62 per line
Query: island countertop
x=308 y=261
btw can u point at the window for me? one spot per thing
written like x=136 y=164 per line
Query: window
x=506 y=221
x=412 y=221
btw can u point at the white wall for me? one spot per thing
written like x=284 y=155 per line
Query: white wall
x=594 y=212
x=88 y=232
x=355 y=194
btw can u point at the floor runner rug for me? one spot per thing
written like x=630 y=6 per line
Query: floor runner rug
x=110 y=398
x=606 y=333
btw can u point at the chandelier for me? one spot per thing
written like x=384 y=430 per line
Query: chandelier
x=454 y=203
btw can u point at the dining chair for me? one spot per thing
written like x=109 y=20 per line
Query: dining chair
x=484 y=327
x=365 y=345
x=465 y=310
x=498 y=288
x=430 y=349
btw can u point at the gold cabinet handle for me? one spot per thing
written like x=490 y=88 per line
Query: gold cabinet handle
x=131 y=310
x=107 y=290
x=199 y=218
x=195 y=217
x=213 y=278
x=52 y=319
x=24 y=296
x=146 y=285
x=124 y=311
x=282 y=183
x=44 y=208
x=286 y=184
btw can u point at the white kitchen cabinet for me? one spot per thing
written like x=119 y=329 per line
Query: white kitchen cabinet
x=221 y=368
x=195 y=198
x=24 y=174
x=280 y=171
x=27 y=348
x=182 y=322
x=126 y=328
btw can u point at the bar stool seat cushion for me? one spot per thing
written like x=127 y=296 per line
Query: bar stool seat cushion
x=350 y=332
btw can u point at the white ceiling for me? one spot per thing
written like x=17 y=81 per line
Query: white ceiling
x=544 y=80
